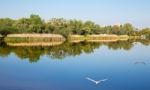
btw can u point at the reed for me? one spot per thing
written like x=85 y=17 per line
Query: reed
x=18 y=38
x=98 y=38
x=29 y=38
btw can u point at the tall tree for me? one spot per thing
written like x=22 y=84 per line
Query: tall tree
x=36 y=24
x=6 y=26
x=128 y=28
x=22 y=25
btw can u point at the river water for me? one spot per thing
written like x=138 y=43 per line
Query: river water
x=125 y=65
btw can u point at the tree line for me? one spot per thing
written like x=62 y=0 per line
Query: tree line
x=34 y=24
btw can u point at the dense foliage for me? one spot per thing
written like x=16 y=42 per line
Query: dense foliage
x=34 y=24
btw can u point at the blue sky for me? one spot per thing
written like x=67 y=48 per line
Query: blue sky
x=104 y=12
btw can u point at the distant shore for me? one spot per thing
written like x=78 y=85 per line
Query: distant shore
x=98 y=38
x=70 y=37
x=57 y=37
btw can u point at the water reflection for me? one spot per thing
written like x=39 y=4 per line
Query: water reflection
x=143 y=63
x=60 y=51
x=94 y=62
x=35 y=44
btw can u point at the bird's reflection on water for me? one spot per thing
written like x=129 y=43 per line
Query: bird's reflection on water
x=140 y=62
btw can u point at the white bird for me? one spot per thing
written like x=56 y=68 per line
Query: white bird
x=94 y=81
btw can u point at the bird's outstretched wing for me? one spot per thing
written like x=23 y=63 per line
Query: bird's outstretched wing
x=103 y=80
x=91 y=79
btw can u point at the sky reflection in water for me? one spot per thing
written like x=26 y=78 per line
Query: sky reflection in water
x=49 y=69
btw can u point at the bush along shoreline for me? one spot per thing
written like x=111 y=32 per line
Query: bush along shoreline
x=36 y=25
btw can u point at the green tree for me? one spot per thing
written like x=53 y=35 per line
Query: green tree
x=116 y=29
x=36 y=24
x=145 y=32
x=128 y=29
x=75 y=26
x=22 y=25
x=88 y=27
x=6 y=26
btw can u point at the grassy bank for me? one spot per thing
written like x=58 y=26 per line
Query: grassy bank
x=17 y=38
x=55 y=39
x=98 y=38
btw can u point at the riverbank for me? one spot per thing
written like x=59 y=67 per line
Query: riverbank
x=56 y=39
x=16 y=38
x=98 y=38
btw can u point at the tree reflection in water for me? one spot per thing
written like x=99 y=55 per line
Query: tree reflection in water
x=66 y=49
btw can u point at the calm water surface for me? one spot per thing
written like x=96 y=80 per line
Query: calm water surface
x=126 y=65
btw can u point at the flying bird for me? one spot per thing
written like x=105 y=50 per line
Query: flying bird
x=94 y=81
